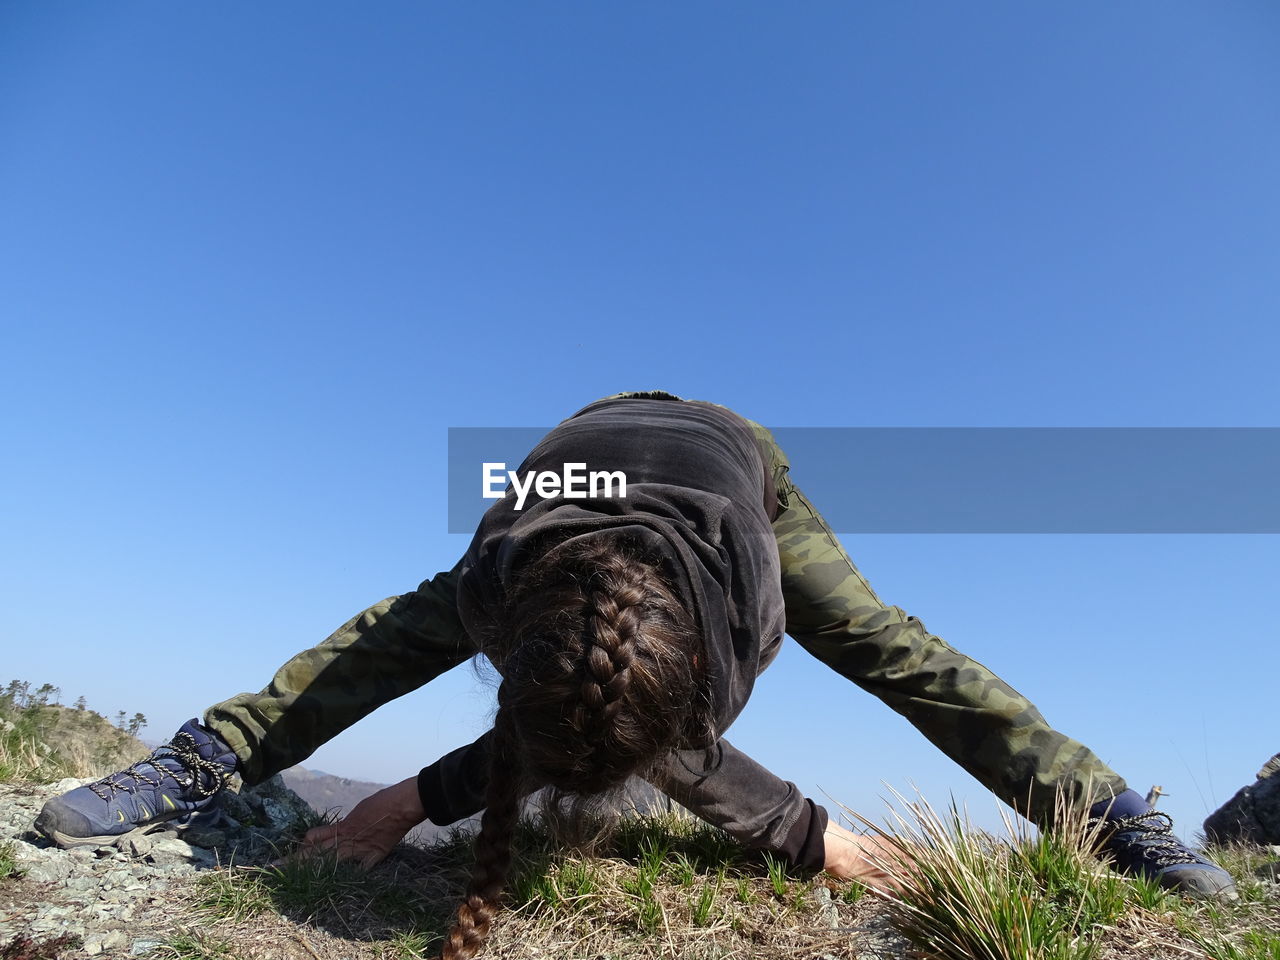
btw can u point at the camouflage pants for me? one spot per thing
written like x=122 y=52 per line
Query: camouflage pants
x=969 y=713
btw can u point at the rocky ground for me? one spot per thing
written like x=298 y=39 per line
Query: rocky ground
x=125 y=902
x=144 y=899
x=151 y=897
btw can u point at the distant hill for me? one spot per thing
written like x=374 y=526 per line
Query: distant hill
x=337 y=795
x=43 y=742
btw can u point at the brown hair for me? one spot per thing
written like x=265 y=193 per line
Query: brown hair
x=601 y=681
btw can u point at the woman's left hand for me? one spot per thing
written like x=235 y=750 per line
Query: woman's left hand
x=373 y=827
x=852 y=856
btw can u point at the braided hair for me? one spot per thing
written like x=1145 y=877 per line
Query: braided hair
x=601 y=681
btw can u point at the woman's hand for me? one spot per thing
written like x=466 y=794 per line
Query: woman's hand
x=373 y=827
x=847 y=858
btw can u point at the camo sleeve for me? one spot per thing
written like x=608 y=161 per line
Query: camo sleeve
x=962 y=707
x=384 y=652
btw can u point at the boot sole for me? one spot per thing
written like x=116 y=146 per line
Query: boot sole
x=68 y=842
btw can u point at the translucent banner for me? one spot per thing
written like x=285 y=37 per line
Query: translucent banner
x=968 y=479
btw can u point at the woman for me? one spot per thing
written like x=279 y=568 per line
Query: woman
x=629 y=631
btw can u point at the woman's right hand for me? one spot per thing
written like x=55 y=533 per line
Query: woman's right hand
x=372 y=829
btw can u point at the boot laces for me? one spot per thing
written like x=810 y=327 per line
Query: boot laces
x=186 y=751
x=1153 y=832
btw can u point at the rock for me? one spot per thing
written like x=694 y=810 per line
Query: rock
x=826 y=907
x=1253 y=814
x=25 y=854
x=69 y=783
x=205 y=837
x=114 y=939
x=270 y=804
x=140 y=846
x=49 y=871
x=170 y=848
x=143 y=947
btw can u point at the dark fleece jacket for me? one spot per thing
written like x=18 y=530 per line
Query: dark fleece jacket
x=700 y=493
x=695 y=493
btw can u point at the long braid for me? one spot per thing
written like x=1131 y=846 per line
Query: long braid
x=600 y=681
x=614 y=598
x=492 y=846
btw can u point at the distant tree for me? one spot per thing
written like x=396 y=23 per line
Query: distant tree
x=121 y=719
x=136 y=724
x=81 y=703
x=43 y=695
x=57 y=696
x=23 y=697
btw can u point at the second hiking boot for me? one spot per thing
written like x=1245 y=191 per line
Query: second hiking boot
x=1140 y=841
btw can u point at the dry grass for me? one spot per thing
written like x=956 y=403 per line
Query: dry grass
x=668 y=886
x=665 y=887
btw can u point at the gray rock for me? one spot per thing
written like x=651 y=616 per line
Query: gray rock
x=24 y=854
x=270 y=804
x=139 y=846
x=49 y=871
x=170 y=848
x=1253 y=814
x=143 y=947
x=205 y=837
x=827 y=912
x=69 y=783
x=114 y=939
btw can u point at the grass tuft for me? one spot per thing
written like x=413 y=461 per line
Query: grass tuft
x=193 y=945
x=8 y=862
x=967 y=895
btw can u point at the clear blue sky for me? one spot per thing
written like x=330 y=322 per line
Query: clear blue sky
x=256 y=259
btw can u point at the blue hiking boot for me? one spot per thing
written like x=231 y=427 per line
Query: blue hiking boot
x=1139 y=840
x=172 y=787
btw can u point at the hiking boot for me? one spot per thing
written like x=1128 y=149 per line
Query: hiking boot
x=171 y=788
x=1139 y=840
